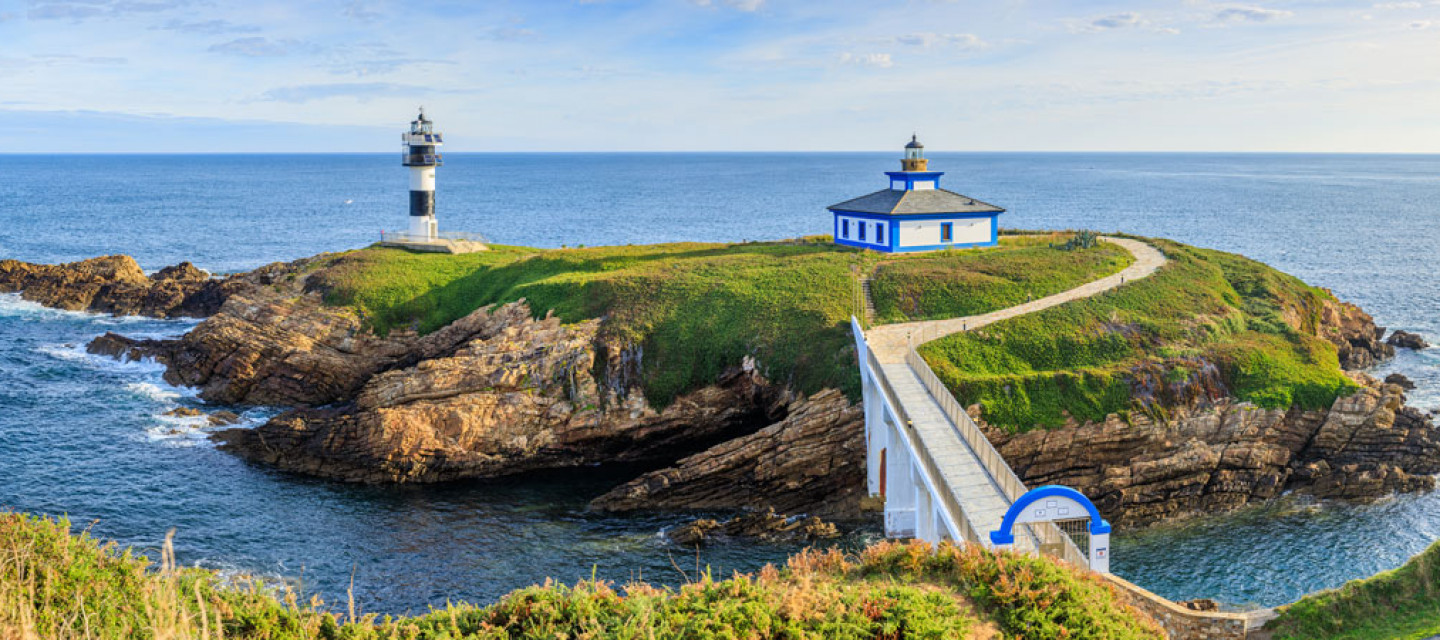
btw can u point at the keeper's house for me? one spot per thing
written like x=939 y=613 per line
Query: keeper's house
x=915 y=214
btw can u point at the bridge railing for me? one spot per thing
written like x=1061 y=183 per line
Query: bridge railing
x=947 y=497
x=999 y=470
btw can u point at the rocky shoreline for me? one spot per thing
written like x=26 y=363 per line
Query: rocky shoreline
x=500 y=392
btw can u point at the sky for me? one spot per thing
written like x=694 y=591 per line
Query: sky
x=722 y=75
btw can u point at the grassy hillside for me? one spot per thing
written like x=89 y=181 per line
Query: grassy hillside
x=57 y=585
x=1404 y=603
x=963 y=283
x=698 y=308
x=1204 y=309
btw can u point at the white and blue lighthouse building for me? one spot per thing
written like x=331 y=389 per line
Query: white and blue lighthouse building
x=915 y=214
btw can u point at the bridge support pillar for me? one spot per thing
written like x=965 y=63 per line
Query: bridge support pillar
x=924 y=510
x=901 y=488
x=877 y=438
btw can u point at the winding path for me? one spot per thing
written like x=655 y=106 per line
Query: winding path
x=891 y=341
x=961 y=461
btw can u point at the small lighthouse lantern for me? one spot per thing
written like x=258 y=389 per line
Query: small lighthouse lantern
x=914 y=156
x=419 y=152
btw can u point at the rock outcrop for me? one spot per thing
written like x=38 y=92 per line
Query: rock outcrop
x=116 y=285
x=1401 y=380
x=1365 y=446
x=1407 y=340
x=813 y=462
x=518 y=395
x=1354 y=334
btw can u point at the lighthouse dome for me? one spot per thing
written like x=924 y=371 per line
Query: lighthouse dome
x=914 y=143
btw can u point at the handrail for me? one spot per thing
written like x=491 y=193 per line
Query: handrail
x=406 y=236
x=1010 y=484
x=947 y=496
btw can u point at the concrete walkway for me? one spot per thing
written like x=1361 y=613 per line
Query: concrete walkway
x=981 y=498
x=891 y=341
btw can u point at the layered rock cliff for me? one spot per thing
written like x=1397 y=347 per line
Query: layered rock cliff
x=813 y=461
x=1219 y=458
x=517 y=395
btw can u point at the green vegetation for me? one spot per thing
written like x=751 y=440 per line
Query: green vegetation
x=1255 y=324
x=57 y=585
x=695 y=309
x=951 y=284
x=1403 y=603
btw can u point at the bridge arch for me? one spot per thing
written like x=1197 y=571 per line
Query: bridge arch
x=1054 y=502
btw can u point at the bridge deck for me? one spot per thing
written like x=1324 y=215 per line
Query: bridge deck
x=983 y=501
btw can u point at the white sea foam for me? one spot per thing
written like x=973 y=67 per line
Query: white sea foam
x=152 y=391
x=13 y=306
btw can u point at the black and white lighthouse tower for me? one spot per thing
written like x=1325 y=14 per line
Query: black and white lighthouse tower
x=420 y=153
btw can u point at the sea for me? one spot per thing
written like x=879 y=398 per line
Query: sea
x=87 y=437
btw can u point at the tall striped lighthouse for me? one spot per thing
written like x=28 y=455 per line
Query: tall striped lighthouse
x=418 y=151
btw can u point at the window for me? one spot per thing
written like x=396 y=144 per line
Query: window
x=879 y=233
x=862 y=226
x=845 y=229
x=947 y=232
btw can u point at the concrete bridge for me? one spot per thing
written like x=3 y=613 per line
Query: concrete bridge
x=940 y=476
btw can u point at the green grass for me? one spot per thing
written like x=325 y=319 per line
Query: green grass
x=54 y=584
x=951 y=284
x=1255 y=324
x=695 y=309
x=1403 y=603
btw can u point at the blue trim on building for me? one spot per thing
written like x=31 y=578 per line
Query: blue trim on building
x=1005 y=535
x=892 y=231
x=917 y=216
x=911 y=177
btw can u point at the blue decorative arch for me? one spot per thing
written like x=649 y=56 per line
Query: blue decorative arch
x=1098 y=525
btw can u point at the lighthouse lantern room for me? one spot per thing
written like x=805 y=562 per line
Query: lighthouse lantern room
x=419 y=150
x=915 y=214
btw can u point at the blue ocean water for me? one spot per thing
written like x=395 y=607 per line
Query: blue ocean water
x=86 y=436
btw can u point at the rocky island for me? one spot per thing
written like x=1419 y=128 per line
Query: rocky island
x=728 y=372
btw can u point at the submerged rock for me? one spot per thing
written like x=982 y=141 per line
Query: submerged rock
x=1407 y=340
x=765 y=526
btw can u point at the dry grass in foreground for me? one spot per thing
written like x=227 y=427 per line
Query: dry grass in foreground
x=59 y=585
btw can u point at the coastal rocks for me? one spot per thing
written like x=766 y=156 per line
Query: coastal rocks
x=1139 y=472
x=116 y=285
x=1407 y=340
x=217 y=419
x=765 y=526
x=1400 y=380
x=812 y=461
x=519 y=395
x=1354 y=334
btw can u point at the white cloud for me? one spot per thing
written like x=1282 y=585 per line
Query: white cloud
x=928 y=40
x=876 y=60
x=255 y=47
x=740 y=5
x=1398 y=5
x=1422 y=24
x=1241 y=13
x=1117 y=21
